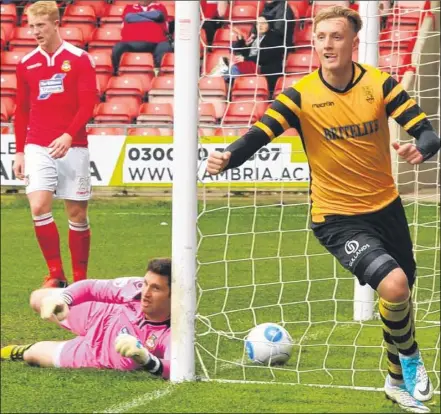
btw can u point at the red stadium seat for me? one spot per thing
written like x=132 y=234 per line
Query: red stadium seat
x=303 y=36
x=207 y=114
x=103 y=63
x=156 y=113
x=300 y=8
x=9 y=60
x=250 y=88
x=301 y=62
x=162 y=89
x=127 y=90
x=7 y=30
x=105 y=131
x=4 y=113
x=86 y=30
x=226 y=132
x=243 y=113
x=102 y=79
x=254 y=3
x=112 y=113
x=99 y=6
x=394 y=63
x=212 y=86
x=211 y=60
x=8 y=13
x=410 y=12
x=8 y=83
x=167 y=63
x=285 y=82
x=2 y=39
x=166 y=132
x=73 y=35
x=206 y=131
x=22 y=37
x=9 y=103
x=79 y=14
x=136 y=63
x=244 y=16
x=398 y=38
x=114 y=14
x=224 y=38
x=105 y=38
x=144 y=132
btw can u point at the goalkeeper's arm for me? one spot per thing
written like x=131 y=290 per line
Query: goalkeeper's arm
x=131 y=347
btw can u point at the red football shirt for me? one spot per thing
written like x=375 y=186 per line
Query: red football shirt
x=146 y=31
x=56 y=94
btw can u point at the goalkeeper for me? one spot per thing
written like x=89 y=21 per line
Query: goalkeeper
x=122 y=324
x=341 y=112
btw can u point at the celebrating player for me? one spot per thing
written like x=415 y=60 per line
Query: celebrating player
x=341 y=112
x=56 y=95
x=122 y=324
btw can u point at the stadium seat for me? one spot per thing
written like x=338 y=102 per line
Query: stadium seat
x=224 y=38
x=112 y=113
x=136 y=63
x=211 y=60
x=156 y=113
x=394 y=63
x=82 y=17
x=2 y=39
x=243 y=113
x=9 y=60
x=212 y=86
x=166 y=132
x=226 y=132
x=301 y=62
x=162 y=89
x=207 y=114
x=250 y=88
x=22 y=37
x=103 y=63
x=86 y=30
x=167 y=63
x=244 y=16
x=144 y=131
x=9 y=103
x=105 y=38
x=398 y=38
x=125 y=2
x=303 y=36
x=8 y=13
x=99 y=6
x=114 y=14
x=102 y=79
x=105 y=131
x=4 y=113
x=259 y=4
x=300 y=8
x=285 y=82
x=8 y=83
x=206 y=131
x=7 y=29
x=410 y=12
x=127 y=90
x=73 y=35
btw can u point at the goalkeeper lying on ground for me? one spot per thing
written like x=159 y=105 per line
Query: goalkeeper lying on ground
x=122 y=324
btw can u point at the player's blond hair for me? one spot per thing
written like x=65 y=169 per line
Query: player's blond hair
x=44 y=8
x=333 y=12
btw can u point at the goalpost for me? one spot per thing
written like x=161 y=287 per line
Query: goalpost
x=243 y=253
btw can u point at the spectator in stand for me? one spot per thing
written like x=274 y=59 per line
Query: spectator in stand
x=213 y=13
x=262 y=52
x=144 y=29
x=281 y=16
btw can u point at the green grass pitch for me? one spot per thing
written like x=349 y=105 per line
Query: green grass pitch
x=290 y=280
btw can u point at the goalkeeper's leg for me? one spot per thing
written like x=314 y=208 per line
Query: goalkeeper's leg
x=42 y=354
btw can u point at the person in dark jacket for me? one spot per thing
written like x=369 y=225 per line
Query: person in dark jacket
x=262 y=52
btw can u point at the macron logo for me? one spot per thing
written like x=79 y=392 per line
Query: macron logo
x=323 y=104
x=35 y=65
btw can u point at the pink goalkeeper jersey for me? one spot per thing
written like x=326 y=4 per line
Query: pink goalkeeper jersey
x=114 y=307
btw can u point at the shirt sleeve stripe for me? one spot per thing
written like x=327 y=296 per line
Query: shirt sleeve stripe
x=399 y=100
x=393 y=94
x=278 y=117
x=403 y=108
x=289 y=103
x=273 y=124
x=290 y=116
x=389 y=84
x=414 y=121
x=265 y=129
x=408 y=114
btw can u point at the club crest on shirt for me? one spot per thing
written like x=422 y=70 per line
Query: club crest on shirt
x=50 y=86
x=151 y=342
x=65 y=67
x=369 y=93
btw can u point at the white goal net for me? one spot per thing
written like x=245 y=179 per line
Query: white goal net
x=257 y=260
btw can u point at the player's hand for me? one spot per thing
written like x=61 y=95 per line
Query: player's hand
x=408 y=152
x=131 y=347
x=54 y=306
x=60 y=146
x=217 y=161
x=19 y=165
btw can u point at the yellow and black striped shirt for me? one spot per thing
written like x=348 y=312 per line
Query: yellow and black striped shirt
x=346 y=138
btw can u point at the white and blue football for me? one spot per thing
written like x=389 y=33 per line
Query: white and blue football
x=269 y=344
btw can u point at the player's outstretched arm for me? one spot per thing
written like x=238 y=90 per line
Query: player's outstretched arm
x=401 y=107
x=283 y=114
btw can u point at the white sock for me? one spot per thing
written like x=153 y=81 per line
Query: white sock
x=394 y=382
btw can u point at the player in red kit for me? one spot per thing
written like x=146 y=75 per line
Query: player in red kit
x=56 y=95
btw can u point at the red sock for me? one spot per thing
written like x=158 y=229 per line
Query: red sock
x=49 y=241
x=79 y=245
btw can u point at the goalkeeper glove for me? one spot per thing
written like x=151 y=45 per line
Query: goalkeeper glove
x=54 y=305
x=131 y=347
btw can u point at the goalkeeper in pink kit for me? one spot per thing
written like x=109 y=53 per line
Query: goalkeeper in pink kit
x=121 y=324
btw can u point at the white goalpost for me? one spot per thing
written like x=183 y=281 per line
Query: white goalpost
x=243 y=252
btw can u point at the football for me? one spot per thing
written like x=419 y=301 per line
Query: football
x=269 y=344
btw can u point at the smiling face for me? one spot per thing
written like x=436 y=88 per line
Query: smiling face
x=335 y=40
x=155 y=297
x=44 y=29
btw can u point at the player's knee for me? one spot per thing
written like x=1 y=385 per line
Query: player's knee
x=394 y=287
x=77 y=212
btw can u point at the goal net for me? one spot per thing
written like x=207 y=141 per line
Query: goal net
x=257 y=260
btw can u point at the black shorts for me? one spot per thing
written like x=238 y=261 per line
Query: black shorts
x=370 y=245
